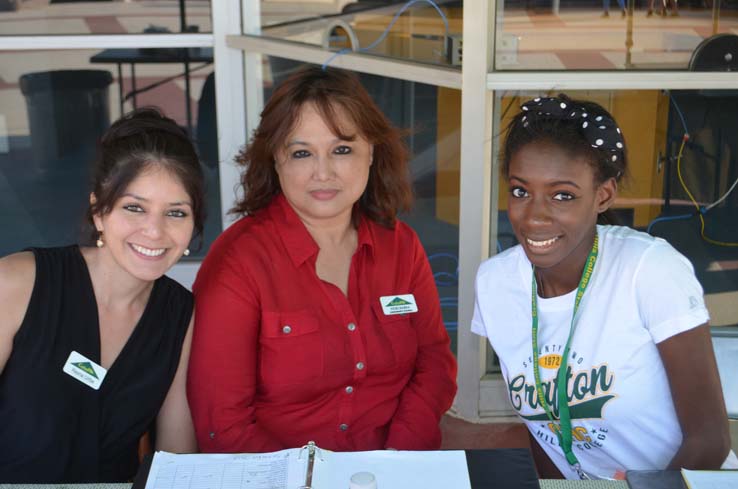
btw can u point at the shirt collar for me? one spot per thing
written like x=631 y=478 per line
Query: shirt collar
x=366 y=235
x=297 y=239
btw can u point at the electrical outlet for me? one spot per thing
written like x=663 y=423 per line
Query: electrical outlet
x=454 y=49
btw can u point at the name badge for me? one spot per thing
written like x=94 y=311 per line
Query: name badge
x=85 y=370
x=398 y=304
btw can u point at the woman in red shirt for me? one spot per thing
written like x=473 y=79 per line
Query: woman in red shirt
x=317 y=316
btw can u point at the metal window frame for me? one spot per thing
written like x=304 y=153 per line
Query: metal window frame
x=479 y=395
x=238 y=51
x=476 y=188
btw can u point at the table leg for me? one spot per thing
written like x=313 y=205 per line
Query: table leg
x=120 y=88
x=188 y=101
x=133 y=85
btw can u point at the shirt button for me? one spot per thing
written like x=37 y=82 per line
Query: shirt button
x=286 y=329
x=349 y=390
x=212 y=435
x=343 y=427
x=360 y=366
x=351 y=326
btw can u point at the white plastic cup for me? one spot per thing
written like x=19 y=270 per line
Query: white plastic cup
x=363 y=480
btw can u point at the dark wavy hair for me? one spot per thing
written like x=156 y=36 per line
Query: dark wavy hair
x=567 y=135
x=138 y=141
x=388 y=190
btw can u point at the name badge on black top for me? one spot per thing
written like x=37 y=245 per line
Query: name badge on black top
x=85 y=370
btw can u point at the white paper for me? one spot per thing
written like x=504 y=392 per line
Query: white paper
x=394 y=469
x=277 y=470
x=286 y=470
x=711 y=479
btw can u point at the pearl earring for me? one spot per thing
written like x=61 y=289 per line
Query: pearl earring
x=186 y=252
x=100 y=243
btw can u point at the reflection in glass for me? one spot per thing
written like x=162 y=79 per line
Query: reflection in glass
x=647 y=35
x=433 y=119
x=55 y=107
x=104 y=17
x=419 y=33
x=653 y=198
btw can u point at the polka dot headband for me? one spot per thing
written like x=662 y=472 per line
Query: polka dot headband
x=600 y=131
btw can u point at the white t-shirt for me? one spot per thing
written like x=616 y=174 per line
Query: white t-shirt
x=642 y=292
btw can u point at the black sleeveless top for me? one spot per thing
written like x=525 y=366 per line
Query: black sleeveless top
x=56 y=429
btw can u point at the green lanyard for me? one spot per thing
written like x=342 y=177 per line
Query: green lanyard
x=564 y=432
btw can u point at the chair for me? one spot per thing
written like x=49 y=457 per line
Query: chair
x=206 y=134
x=725 y=344
x=206 y=139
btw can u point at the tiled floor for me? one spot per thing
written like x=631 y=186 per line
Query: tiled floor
x=577 y=39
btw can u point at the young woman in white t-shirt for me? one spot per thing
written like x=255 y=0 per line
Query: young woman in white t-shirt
x=622 y=375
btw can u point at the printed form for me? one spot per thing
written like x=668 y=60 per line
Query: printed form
x=277 y=470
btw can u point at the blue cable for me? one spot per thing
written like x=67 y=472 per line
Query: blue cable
x=679 y=111
x=667 y=218
x=386 y=31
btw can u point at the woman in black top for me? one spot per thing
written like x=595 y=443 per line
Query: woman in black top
x=94 y=341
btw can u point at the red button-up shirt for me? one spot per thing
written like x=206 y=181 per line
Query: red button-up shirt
x=280 y=357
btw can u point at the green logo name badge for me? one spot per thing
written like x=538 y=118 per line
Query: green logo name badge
x=398 y=302
x=86 y=367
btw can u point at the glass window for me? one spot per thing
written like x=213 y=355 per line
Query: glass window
x=21 y=17
x=54 y=107
x=653 y=198
x=419 y=34
x=606 y=34
x=433 y=119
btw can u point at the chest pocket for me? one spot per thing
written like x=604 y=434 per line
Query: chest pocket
x=291 y=347
x=399 y=341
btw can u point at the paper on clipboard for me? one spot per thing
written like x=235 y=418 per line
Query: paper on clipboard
x=396 y=469
x=276 y=470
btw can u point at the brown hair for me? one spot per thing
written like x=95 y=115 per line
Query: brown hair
x=140 y=140
x=388 y=190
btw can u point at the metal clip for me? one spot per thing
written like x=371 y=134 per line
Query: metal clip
x=312 y=450
x=581 y=473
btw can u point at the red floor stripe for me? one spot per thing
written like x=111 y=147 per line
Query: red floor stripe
x=105 y=24
x=593 y=60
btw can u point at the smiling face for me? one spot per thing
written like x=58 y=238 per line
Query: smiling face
x=553 y=205
x=321 y=175
x=150 y=226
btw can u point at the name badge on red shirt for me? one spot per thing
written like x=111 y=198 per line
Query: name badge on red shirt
x=398 y=304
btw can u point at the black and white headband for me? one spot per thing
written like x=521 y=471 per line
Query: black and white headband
x=600 y=131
